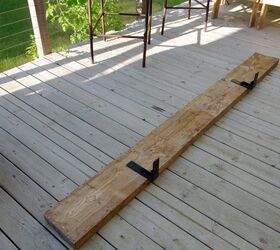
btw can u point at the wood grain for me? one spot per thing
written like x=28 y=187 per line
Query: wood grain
x=89 y=207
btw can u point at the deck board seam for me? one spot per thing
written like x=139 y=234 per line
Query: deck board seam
x=27 y=211
x=247 y=214
x=229 y=145
x=248 y=172
x=193 y=207
x=236 y=107
x=46 y=124
x=8 y=237
x=216 y=139
x=52 y=119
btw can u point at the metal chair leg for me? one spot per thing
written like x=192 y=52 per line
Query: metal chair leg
x=189 y=10
x=103 y=20
x=150 y=20
x=207 y=15
x=90 y=31
x=164 y=16
x=146 y=33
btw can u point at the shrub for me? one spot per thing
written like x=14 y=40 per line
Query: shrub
x=72 y=17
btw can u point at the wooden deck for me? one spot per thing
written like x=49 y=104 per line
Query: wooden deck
x=62 y=119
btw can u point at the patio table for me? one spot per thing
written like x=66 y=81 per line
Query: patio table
x=255 y=8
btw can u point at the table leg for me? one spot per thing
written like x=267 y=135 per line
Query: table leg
x=254 y=13
x=216 y=9
x=262 y=16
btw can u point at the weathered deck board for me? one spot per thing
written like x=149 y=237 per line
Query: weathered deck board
x=138 y=239
x=6 y=243
x=268 y=153
x=94 y=203
x=181 y=65
x=251 y=148
x=216 y=241
x=145 y=103
x=22 y=228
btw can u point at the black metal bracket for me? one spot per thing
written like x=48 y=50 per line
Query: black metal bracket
x=247 y=85
x=149 y=175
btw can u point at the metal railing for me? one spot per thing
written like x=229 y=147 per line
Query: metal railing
x=15 y=31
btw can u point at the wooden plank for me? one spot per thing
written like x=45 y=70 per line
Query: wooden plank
x=36 y=201
x=6 y=244
x=135 y=221
x=89 y=207
x=258 y=234
x=239 y=142
x=121 y=233
x=263 y=15
x=216 y=9
x=164 y=241
x=34 y=166
x=160 y=229
x=250 y=148
x=264 y=88
x=262 y=211
x=50 y=152
x=175 y=76
x=220 y=72
x=256 y=96
x=254 y=13
x=237 y=176
x=202 y=70
x=240 y=160
x=185 y=216
x=262 y=154
x=71 y=138
x=49 y=132
x=60 y=115
x=146 y=104
x=255 y=147
x=23 y=229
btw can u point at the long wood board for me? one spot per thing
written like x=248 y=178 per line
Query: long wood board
x=89 y=207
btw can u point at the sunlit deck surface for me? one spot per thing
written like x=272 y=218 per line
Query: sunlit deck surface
x=62 y=119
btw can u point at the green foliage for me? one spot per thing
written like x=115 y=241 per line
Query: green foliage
x=72 y=16
x=59 y=39
x=31 y=50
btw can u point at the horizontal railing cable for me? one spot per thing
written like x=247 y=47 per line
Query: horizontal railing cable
x=8 y=11
x=18 y=21
x=17 y=33
x=16 y=45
